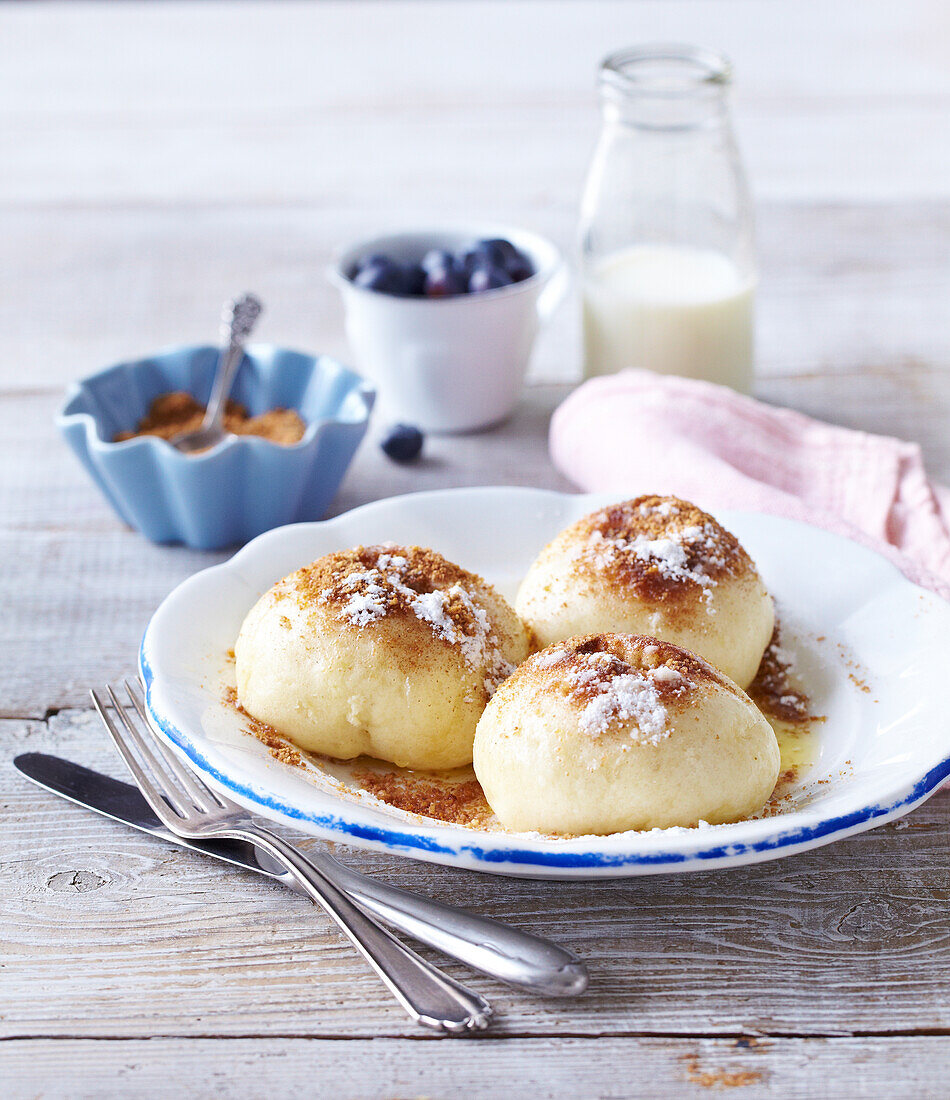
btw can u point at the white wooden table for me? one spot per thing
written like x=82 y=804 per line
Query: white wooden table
x=155 y=158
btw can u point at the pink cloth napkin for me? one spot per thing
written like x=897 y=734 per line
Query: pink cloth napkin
x=639 y=432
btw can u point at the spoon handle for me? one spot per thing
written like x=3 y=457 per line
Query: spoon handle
x=238 y=322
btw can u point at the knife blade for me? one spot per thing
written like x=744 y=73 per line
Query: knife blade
x=124 y=803
x=516 y=957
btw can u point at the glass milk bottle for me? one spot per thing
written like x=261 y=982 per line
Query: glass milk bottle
x=666 y=223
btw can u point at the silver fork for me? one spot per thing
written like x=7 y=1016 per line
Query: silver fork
x=191 y=810
x=506 y=953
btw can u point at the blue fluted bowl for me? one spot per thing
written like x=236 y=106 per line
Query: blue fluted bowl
x=244 y=485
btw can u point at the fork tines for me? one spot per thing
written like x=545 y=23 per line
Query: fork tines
x=164 y=781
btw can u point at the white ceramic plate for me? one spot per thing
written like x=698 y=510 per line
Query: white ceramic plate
x=872 y=648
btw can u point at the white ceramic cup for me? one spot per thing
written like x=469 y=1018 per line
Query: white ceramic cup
x=449 y=364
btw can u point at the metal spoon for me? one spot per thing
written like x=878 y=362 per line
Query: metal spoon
x=237 y=322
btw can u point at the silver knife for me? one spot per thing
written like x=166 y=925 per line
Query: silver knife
x=506 y=953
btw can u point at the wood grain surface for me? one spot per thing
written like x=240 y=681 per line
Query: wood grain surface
x=611 y=1067
x=156 y=158
x=849 y=939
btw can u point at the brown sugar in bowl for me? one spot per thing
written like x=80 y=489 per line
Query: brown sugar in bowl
x=246 y=484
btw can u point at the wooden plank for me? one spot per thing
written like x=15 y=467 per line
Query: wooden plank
x=548 y=1069
x=538 y=154
x=44 y=490
x=290 y=58
x=843 y=288
x=169 y=192
x=908 y=401
x=77 y=602
x=110 y=933
x=854 y=111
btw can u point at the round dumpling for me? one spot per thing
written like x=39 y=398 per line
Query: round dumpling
x=387 y=651
x=609 y=732
x=656 y=566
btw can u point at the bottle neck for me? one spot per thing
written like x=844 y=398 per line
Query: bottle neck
x=666 y=115
x=666 y=88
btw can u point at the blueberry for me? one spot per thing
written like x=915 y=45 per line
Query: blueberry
x=519 y=267
x=383 y=276
x=437 y=259
x=372 y=259
x=488 y=277
x=498 y=250
x=415 y=277
x=402 y=443
x=469 y=258
x=444 y=282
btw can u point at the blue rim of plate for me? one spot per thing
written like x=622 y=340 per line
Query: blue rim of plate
x=807 y=835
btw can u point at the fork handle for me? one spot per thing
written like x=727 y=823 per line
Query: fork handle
x=430 y=997
x=506 y=953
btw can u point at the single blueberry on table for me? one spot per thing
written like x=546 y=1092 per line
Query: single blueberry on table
x=402 y=443
x=488 y=277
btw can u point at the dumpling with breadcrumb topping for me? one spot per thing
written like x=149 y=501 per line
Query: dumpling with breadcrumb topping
x=609 y=732
x=658 y=566
x=385 y=651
